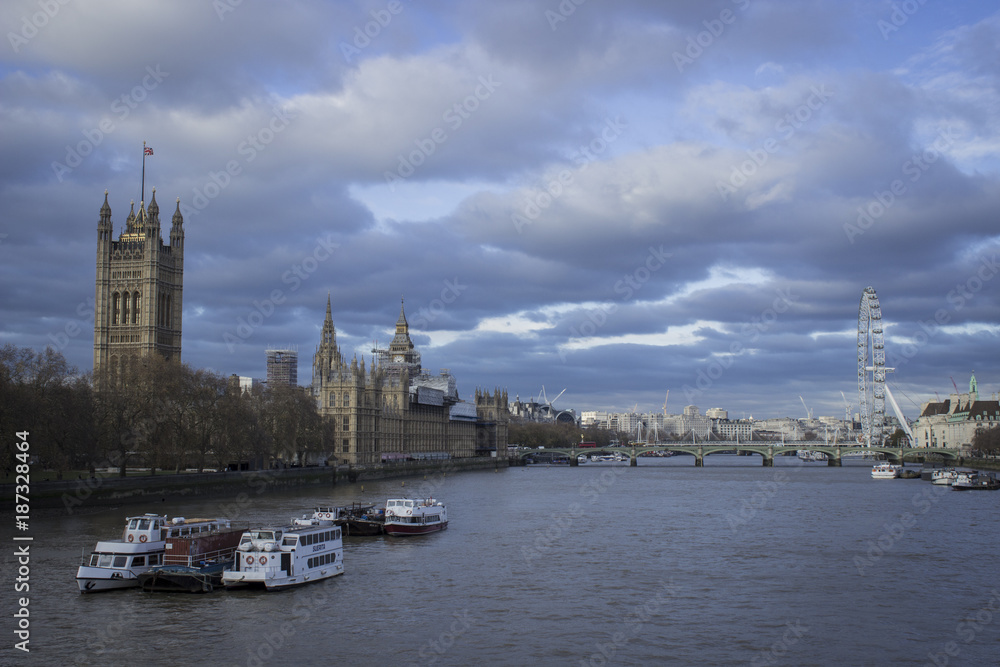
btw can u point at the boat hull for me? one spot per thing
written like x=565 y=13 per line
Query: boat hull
x=179 y=579
x=99 y=579
x=399 y=530
x=259 y=579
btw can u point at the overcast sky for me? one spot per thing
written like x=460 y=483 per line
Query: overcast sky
x=615 y=198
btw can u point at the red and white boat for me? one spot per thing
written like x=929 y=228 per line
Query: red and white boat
x=405 y=516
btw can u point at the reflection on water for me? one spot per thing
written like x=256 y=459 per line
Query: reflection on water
x=600 y=564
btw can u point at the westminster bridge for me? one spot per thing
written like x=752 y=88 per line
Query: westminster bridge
x=767 y=450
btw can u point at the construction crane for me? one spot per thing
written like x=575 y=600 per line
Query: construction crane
x=665 y=398
x=847 y=408
x=809 y=413
x=954 y=385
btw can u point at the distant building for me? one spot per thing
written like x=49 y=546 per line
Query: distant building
x=396 y=411
x=139 y=288
x=954 y=422
x=243 y=383
x=282 y=368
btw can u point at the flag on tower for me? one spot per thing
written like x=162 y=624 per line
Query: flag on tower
x=148 y=151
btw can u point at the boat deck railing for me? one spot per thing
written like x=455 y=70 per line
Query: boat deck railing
x=191 y=559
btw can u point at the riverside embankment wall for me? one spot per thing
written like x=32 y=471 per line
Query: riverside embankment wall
x=76 y=495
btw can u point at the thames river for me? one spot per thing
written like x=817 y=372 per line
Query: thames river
x=603 y=564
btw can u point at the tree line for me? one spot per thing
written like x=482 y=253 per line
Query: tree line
x=153 y=414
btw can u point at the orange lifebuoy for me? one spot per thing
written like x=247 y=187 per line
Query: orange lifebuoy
x=263 y=560
x=131 y=538
x=249 y=560
x=142 y=538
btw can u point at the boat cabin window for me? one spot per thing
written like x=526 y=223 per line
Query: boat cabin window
x=263 y=535
x=120 y=561
x=133 y=524
x=154 y=559
x=104 y=561
x=143 y=524
x=290 y=541
x=138 y=561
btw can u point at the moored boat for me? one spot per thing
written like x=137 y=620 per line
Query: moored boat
x=193 y=563
x=885 y=471
x=118 y=563
x=405 y=516
x=975 y=481
x=944 y=477
x=287 y=556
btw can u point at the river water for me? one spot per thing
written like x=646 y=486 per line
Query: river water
x=665 y=563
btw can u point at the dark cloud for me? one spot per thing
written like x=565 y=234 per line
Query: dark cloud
x=628 y=225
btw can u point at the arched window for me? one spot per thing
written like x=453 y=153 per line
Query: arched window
x=167 y=316
x=125 y=301
x=115 y=305
x=333 y=399
x=136 y=298
x=347 y=399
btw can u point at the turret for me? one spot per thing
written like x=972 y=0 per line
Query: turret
x=177 y=230
x=153 y=219
x=104 y=228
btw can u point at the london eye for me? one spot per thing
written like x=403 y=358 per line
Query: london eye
x=871 y=368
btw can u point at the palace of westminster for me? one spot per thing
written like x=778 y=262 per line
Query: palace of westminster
x=392 y=410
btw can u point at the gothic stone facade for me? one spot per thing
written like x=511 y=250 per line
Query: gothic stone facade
x=394 y=410
x=139 y=287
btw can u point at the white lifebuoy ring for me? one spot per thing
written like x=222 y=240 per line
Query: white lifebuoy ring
x=249 y=560
x=263 y=560
x=131 y=538
x=142 y=538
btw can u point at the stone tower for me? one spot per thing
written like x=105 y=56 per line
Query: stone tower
x=139 y=287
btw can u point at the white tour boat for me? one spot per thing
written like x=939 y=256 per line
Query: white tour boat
x=274 y=558
x=885 y=471
x=118 y=563
x=944 y=477
x=404 y=516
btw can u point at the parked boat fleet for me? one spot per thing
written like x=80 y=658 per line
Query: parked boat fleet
x=198 y=555
x=960 y=480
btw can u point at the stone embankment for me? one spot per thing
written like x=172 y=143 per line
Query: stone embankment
x=77 y=495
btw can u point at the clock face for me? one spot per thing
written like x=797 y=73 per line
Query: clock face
x=398 y=357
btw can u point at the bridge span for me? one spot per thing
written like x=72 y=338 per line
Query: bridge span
x=767 y=450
